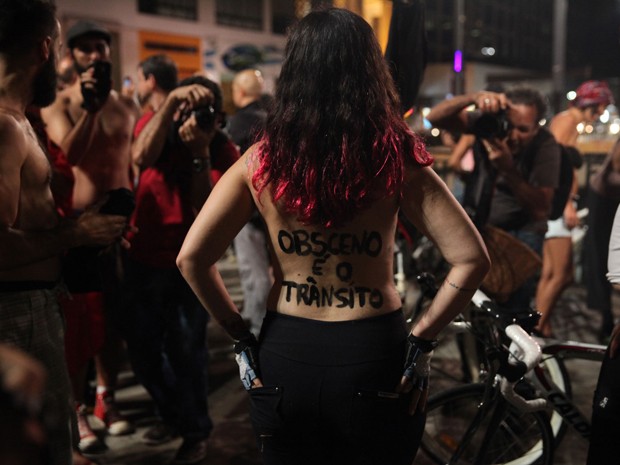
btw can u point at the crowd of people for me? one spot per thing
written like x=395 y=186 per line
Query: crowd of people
x=117 y=206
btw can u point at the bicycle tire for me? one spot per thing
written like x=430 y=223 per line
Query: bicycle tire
x=522 y=438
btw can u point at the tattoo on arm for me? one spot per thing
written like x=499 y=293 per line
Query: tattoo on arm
x=457 y=287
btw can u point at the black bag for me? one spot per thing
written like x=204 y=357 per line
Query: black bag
x=570 y=159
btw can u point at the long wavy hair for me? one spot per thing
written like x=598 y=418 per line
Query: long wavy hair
x=334 y=141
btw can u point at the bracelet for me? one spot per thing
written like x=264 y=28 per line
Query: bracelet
x=425 y=345
x=458 y=288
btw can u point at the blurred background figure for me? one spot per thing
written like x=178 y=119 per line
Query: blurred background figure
x=92 y=124
x=517 y=168
x=22 y=383
x=180 y=151
x=128 y=89
x=66 y=73
x=606 y=403
x=557 y=268
x=602 y=200
x=251 y=242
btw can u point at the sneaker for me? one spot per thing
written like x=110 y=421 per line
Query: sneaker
x=191 y=451
x=89 y=442
x=107 y=411
x=159 y=433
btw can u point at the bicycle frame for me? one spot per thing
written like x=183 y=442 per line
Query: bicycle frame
x=555 y=396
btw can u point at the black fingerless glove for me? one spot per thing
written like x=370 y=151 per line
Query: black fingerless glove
x=417 y=359
x=246 y=356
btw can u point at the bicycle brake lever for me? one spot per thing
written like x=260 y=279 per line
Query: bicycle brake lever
x=526 y=352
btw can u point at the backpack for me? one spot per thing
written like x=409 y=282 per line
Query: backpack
x=569 y=160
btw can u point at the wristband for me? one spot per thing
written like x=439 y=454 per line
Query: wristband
x=199 y=164
x=425 y=345
x=418 y=360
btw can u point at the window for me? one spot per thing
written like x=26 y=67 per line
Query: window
x=183 y=9
x=246 y=14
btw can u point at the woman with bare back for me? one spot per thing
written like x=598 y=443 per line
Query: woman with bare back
x=336 y=376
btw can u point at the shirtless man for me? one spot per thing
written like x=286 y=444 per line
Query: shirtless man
x=93 y=124
x=32 y=236
x=97 y=141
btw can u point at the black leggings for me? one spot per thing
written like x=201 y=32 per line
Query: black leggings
x=604 y=445
x=329 y=392
x=596 y=249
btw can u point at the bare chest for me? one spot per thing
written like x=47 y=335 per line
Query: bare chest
x=36 y=205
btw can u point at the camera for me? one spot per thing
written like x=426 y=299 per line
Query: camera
x=205 y=117
x=94 y=98
x=489 y=125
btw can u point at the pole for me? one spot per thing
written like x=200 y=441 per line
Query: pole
x=459 y=45
x=558 y=70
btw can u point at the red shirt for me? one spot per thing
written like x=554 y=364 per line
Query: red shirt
x=163 y=211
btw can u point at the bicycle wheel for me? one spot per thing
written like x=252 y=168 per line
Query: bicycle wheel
x=556 y=371
x=520 y=439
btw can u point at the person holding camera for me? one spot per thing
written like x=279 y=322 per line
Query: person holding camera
x=180 y=151
x=519 y=162
x=92 y=124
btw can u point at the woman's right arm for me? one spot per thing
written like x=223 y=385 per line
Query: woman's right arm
x=226 y=211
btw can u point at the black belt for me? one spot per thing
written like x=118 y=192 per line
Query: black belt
x=22 y=286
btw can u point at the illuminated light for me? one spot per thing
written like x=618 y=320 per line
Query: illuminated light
x=458 y=61
x=589 y=129
x=572 y=95
x=580 y=128
x=409 y=112
x=604 y=117
x=487 y=51
x=425 y=111
x=435 y=132
x=614 y=128
x=542 y=122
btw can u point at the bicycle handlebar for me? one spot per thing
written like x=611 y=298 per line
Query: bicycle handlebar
x=526 y=351
x=524 y=355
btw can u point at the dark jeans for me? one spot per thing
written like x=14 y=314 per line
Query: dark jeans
x=164 y=326
x=596 y=249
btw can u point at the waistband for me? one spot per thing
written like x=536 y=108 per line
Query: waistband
x=23 y=286
x=333 y=343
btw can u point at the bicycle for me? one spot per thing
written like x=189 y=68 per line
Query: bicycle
x=494 y=421
x=457 y=414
